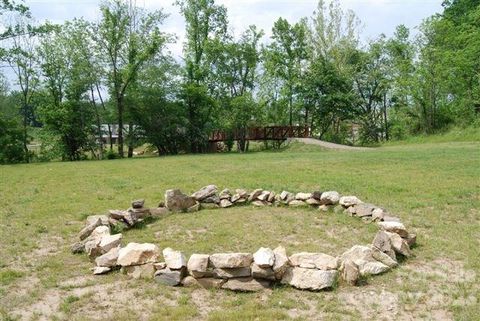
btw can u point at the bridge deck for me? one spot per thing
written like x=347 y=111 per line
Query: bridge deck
x=261 y=133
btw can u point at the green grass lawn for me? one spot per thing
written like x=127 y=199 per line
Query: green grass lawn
x=433 y=187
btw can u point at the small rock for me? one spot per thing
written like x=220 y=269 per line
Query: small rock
x=287 y=197
x=224 y=203
x=87 y=230
x=313 y=201
x=264 y=257
x=143 y=271
x=225 y=194
x=109 y=242
x=231 y=260
x=93 y=218
x=264 y=196
x=281 y=262
x=314 y=261
x=259 y=203
x=330 y=198
x=364 y=209
x=136 y=253
x=399 y=245
x=159 y=265
x=381 y=257
x=325 y=208
x=101 y=270
x=174 y=259
x=117 y=214
x=138 y=203
x=108 y=259
x=242 y=193
x=235 y=198
x=211 y=283
x=77 y=247
x=271 y=197
x=303 y=196
x=350 y=272
x=347 y=201
x=247 y=284
x=169 y=277
x=373 y=268
x=411 y=239
x=205 y=192
x=394 y=227
x=259 y=272
x=317 y=195
x=176 y=201
x=383 y=243
x=231 y=273
x=190 y=282
x=254 y=195
x=212 y=200
x=378 y=214
x=309 y=279
x=198 y=264
x=362 y=256
x=387 y=218
x=297 y=203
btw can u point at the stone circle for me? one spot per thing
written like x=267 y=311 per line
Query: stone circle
x=246 y=272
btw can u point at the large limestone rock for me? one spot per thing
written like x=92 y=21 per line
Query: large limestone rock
x=394 y=227
x=108 y=259
x=399 y=245
x=174 y=259
x=264 y=257
x=259 y=272
x=247 y=284
x=169 y=277
x=143 y=271
x=363 y=257
x=281 y=262
x=87 y=230
x=364 y=209
x=205 y=192
x=100 y=242
x=309 y=279
x=138 y=253
x=383 y=243
x=330 y=198
x=176 y=201
x=108 y=242
x=347 y=201
x=231 y=260
x=303 y=196
x=314 y=261
x=198 y=265
x=350 y=273
x=231 y=273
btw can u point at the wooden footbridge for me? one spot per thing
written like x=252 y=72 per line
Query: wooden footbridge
x=260 y=133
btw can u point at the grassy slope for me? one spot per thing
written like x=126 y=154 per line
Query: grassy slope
x=434 y=188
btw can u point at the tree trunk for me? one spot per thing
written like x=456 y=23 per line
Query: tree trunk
x=385 y=118
x=120 y=126
x=130 y=140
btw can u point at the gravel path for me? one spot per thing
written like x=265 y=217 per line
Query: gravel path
x=313 y=141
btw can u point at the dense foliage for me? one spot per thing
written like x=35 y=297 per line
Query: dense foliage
x=92 y=86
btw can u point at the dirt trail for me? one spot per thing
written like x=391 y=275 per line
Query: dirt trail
x=313 y=141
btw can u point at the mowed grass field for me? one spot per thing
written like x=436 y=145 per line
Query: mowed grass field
x=433 y=187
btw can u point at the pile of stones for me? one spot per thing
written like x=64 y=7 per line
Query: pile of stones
x=244 y=271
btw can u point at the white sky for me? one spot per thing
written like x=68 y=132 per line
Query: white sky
x=377 y=16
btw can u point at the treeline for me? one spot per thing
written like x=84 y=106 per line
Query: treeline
x=73 y=78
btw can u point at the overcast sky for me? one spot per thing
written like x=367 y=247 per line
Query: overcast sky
x=377 y=16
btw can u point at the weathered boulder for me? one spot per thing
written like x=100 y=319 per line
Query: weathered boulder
x=383 y=243
x=330 y=198
x=303 y=196
x=224 y=203
x=142 y=271
x=255 y=194
x=231 y=260
x=198 y=265
x=158 y=211
x=314 y=261
x=364 y=209
x=246 y=284
x=231 y=273
x=349 y=272
x=108 y=259
x=169 y=277
x=362 y=256
x=309 y=279
x=313 y=201
x=174 y=259
x=399 y=245
x=100 y=242
x=87 y=230
x=108 y=242
x=394 y=227
x=138 y=253
x=101 y=270
x=281 y=262
x=205 y=192
x=264 y=196
x=138 y=203
x=93 y=218
x=347 y=201
x=264 y=257
x=297 y=203
x=176 y=201
x=225 y=194
x=259 y=272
